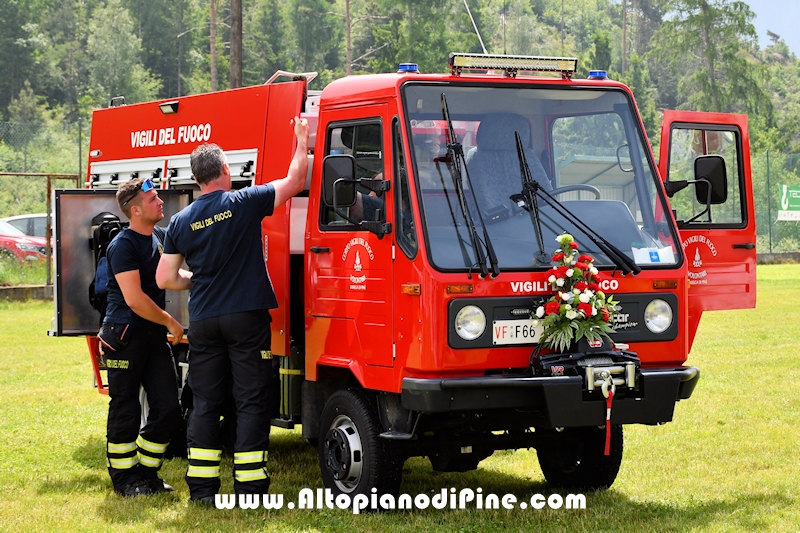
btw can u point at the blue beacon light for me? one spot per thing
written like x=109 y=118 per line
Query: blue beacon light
x=407 y=68
x=597 y=75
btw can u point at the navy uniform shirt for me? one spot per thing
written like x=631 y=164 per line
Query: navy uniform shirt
x=219 y=235
x=133 y=251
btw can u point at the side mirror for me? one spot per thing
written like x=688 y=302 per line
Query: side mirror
x=339 y=180
x=710 y=170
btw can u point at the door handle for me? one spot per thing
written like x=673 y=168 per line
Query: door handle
x=320 y=249
x=745 y=246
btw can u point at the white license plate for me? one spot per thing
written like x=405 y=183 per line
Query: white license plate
x=515 y=332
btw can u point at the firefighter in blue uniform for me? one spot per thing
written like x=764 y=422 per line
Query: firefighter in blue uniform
x=219 y=236
x=134 y=341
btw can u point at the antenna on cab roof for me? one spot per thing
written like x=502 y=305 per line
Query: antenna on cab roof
x=476 y=27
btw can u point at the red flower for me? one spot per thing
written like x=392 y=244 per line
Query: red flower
x=581 y=286
x=582 y=266
x=585 y=309
x=605 y=314
x=594 y=287
x=559 y=256
x=573 y=245
x=561 y=272
x=552 y=308
x=586 y=258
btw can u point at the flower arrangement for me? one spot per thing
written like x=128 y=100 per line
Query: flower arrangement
x=579 y=308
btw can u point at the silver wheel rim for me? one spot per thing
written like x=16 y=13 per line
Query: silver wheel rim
x=351 y=451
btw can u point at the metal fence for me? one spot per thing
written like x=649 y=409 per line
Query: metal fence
x=773 y=174
x=43 y=149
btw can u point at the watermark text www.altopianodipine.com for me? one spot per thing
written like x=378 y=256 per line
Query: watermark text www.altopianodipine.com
x=314 y=499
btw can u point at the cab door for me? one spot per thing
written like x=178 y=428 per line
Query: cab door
x=719 y=246
x=349 y=284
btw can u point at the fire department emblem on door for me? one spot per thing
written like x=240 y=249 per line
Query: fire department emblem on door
x=356 y=256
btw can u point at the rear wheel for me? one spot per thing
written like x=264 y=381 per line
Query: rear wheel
x=574 y=458
x=353 y=458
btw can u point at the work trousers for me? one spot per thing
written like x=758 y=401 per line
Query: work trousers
x=229 y=351
x=146 y=361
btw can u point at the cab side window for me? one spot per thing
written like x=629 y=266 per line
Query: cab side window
x=406 y=233
x=686 y=145
x=364 y=141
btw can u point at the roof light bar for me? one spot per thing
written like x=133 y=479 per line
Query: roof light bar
x=512 y=64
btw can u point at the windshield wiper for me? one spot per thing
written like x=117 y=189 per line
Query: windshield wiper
x=461 y=242
x=532 y=189
x=456 y=153
x=527 y=201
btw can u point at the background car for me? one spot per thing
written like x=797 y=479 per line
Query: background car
x=15 y=244
x=33 y=224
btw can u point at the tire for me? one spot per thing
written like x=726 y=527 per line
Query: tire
x=353 y=459
x=574 y=459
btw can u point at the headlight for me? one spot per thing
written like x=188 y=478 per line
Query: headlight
x=470 y=323
x=658 y=316
x=28 y=247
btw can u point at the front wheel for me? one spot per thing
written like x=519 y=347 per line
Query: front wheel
x=574 y=458
x=353 y=459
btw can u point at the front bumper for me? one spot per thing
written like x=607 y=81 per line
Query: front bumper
x=560 y=401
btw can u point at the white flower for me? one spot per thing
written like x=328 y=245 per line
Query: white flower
x=584 y=298
x=560 y=282
x=567 y=307
x=593 y=270
x=566 y=296
x=535 y=323
x=572 y=315
x=576 y=291
x=551 y=279
x=570 y=272
x=540 y=312
x=594 y=311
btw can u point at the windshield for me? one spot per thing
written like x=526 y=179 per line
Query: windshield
x=583 y=146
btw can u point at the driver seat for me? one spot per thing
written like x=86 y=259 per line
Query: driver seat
x=494 y=167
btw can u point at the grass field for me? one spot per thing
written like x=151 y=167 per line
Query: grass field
x=13 y=272
x=729 y=461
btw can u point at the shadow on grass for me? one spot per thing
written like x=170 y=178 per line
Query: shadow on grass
x=91 y=455
x=293 y=466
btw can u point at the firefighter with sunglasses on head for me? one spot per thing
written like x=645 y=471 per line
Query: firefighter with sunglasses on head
x=134 y=340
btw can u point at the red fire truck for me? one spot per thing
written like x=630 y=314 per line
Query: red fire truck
x=408 y=271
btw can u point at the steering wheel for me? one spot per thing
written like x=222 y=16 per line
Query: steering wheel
x=577 y=187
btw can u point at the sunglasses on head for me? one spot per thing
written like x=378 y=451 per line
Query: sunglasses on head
x=145 y=186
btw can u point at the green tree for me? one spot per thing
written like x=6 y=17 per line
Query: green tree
x=17 y=57
x=114 y=57
x=638 y=79
x=318 y=35
x=601 y=56
x=165 y=27
x=719 y=33
x=27 y=112
x=415 y=31
x=266 y=41
x=784 y=86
